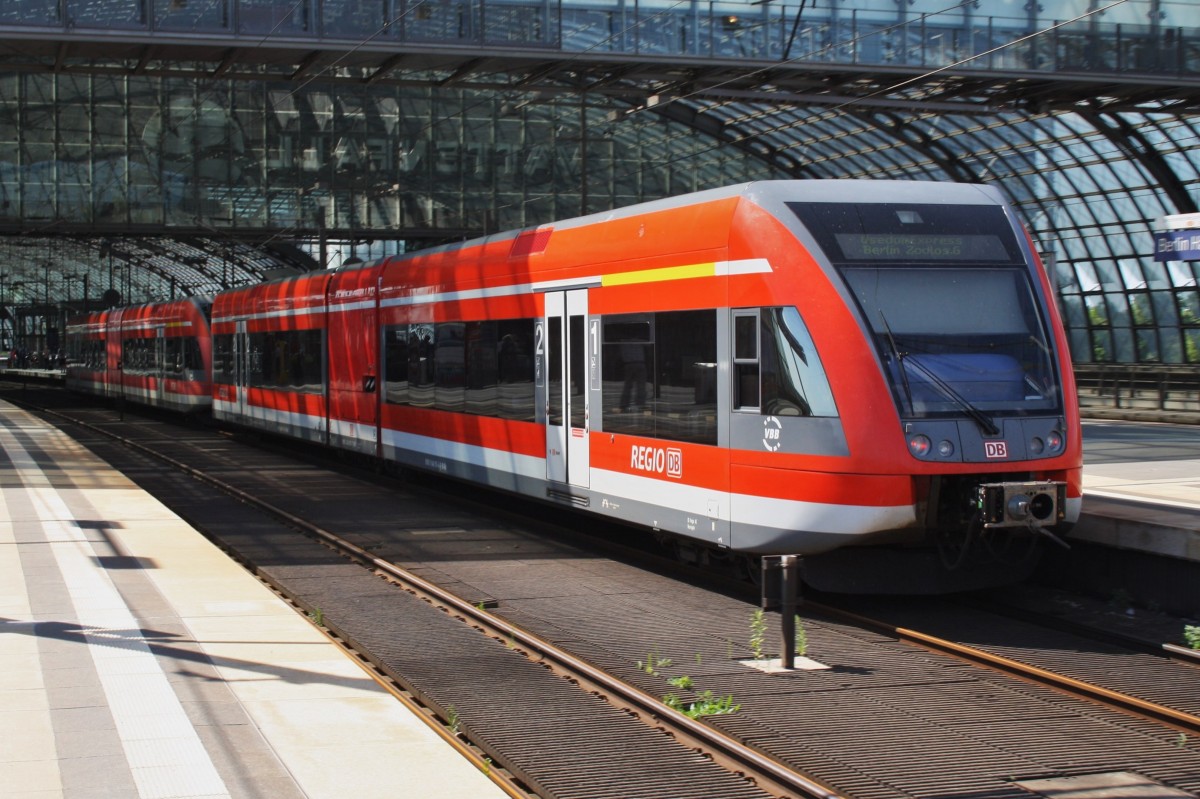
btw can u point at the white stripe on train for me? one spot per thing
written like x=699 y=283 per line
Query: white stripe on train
x=771 y=512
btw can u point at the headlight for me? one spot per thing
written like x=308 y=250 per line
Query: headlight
x=1037 y=446
x=945 y=448
x=919 y=445
x=1054 y=441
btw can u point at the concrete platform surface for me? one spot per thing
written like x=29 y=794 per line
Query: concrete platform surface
x=137 y=660
x=1141 y=488
x=1153 y=463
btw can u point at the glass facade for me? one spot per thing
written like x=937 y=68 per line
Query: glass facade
x=124 y=152
x=108 y=146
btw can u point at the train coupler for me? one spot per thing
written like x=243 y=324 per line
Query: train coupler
x=1035 y=505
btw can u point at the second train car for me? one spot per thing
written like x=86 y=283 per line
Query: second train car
x=871 y=374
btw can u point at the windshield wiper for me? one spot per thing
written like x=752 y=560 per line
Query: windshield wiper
x=899 y=356
x=985 y=422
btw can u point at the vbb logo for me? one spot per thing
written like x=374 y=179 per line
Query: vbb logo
x=772 y=433
x=995 y=449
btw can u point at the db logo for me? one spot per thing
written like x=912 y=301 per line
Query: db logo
x=995 y=449
x=657 y=460
x=674 y=463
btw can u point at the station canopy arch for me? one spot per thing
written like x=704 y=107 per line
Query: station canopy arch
x=315 y=123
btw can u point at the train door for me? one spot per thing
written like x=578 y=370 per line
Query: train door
x=571 y=357
x=158 y=388
x=352 y=379
x=114 y=355
x=241 y=369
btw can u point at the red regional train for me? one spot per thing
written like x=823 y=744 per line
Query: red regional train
x=871 y=374
x=155 y=354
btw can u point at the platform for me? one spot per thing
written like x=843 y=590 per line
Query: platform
x=137 y=660
x=1141 y=488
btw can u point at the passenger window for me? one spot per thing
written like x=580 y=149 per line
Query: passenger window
x=685 y=376
x=222 y=356
x=450 y=366
x=483 y=368
x=554 y=403
x=287 y=360
x=421 y=365
x=627 y=367
x=659 y=375
x=745 y=360
x=171 y=353
x=192 y=357
x=395 y=364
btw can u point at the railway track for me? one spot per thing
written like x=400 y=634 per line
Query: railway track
x=855 y=726
x=1156 y=689
x=759 y=775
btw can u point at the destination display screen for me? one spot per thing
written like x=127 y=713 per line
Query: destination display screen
x=920 y=247
x=916 y=233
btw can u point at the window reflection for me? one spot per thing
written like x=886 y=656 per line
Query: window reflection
x=291 y=360
x=479 y=367
x=659 y=375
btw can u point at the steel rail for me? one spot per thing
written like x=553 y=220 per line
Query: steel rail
x=1176 y=652
x=769 y=774
x=1185 y=722
x=1182 y=654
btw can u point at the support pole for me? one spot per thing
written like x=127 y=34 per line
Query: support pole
x=789 y=591
x=781 y=591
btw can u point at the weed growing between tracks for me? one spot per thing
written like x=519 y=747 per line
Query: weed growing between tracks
x=758 y=633
x=801 y=638
x=705 y=705
x=653 y=663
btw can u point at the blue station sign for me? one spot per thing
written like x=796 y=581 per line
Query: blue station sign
x=1177 y=245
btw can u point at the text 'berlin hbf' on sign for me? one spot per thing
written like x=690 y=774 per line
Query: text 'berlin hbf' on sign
x=1181 y=242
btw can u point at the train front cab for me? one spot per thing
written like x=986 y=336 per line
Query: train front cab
x=904 y=417
x=87 y=353
x=962 y=396
x=159 y=355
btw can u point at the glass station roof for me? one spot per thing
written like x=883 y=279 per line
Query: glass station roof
x=213 y=142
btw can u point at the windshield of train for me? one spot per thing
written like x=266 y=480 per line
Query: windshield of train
x=950 y=304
